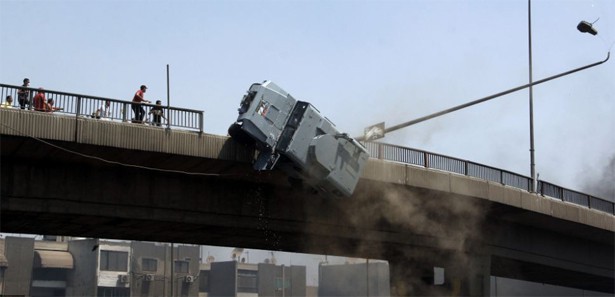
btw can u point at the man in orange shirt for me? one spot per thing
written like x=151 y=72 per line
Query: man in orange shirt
x=137 y=108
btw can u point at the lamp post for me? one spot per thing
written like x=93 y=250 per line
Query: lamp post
x=531 y=89
x=584 y=27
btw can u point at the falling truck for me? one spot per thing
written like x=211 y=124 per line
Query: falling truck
x=293 y=136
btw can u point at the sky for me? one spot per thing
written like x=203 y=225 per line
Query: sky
x=359 y=62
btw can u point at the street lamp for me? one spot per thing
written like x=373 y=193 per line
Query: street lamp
x=587 y=27
x=379 y=130
x=584 y=27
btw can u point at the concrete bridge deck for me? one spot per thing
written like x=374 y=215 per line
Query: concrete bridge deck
x=54 y=181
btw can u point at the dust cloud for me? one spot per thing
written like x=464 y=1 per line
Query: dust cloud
x=417 y=226
x=604 y=185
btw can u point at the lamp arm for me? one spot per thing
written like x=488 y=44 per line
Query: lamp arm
x=481 y=100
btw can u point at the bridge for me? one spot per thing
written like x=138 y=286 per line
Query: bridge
x=70 y=174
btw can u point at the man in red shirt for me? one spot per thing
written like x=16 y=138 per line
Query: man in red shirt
x=137 y=108
x=40 y=102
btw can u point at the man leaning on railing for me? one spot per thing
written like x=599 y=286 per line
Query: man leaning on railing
x=137 y=106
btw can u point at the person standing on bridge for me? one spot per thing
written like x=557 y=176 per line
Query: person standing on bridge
x=137 y=102
x=23 y=95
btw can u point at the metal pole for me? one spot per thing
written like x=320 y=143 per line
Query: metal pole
x=458 y=107
x=168 y=100
x=367 y=276
x=172 y=272
x=532 y=156
x=283 y=281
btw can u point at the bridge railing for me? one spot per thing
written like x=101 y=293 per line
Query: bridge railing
x=119 y=110
x=441 y=162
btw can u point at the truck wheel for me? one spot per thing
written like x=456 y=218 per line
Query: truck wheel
x=239 y=135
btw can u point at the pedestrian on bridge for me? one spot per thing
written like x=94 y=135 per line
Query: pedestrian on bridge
x=137 y=102
x=8 y=103
x=23 y=95
x=40 y=102
x=51 y=107
x=104 y=111
x=158 y=113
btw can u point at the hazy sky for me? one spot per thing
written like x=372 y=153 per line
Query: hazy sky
x=358 y=62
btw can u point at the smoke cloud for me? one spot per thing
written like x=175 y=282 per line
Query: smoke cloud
x=604 y=185
x=449 y=225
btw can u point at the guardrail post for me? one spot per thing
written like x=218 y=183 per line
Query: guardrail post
x=125 y=112
x=502 y=177
x=426 y=159
x=169 y=117
x=78 y=107
x=77 y=113
x=201 y=122
x=465 y=167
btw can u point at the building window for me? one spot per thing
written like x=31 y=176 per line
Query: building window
x=148 y=264
x=49 y=274
x=113 y=261
x=113 y=292
x=282 y=283
x=247 y=281
x=182 y=266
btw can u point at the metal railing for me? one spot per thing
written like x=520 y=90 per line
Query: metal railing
x=121 y=110
x=441 y=162
x=118 y=110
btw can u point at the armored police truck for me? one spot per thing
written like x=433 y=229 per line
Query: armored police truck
x=293 y=136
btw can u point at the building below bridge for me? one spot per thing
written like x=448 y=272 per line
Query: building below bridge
x=233 y=278
x=58 y=266
x=94 y=267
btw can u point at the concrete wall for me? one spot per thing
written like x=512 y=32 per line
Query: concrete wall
x=223 y=279
x=82 y=279
x=270 y=275
x=352 y=280
x=3 y=265
x=266 y=279
x=20 y=255
x=120 y=135
x=297 y=281
x=455 y=184
x=189 y=253
x=147 y=250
